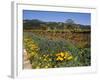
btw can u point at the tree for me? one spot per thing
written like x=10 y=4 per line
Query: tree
x=52 y=25
x=69 y=24
x=69 y=21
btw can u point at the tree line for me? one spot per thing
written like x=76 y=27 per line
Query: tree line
x=69 y=24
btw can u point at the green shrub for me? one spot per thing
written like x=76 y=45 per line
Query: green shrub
x=85 y=56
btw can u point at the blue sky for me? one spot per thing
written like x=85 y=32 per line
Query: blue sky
x=49 y=16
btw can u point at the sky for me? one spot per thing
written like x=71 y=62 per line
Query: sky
x=50 y=16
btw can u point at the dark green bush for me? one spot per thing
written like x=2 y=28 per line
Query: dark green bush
x=85 y=56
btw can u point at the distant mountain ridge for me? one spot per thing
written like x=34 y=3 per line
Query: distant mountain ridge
x=38 y=24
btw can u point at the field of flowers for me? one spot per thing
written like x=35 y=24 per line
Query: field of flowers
x=46 y=52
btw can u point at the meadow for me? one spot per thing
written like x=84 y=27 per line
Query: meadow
x=55 y=48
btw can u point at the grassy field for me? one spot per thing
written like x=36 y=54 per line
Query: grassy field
x=57 y=48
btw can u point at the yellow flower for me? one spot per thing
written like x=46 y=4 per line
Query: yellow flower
x=62 y=54
x=32 y=53
x=69 y=58
x=50 y=59
x=37 y=67
x=44 y=59
x=59 y=58
x=65 y=57
x=44 y=55
x=46 y=66
x=58 y=54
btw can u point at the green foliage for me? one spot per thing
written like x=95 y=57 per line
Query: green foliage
x=42 y=52
x=85 y=56
x=54 y=46
x=36 y=24
x=32 y=24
